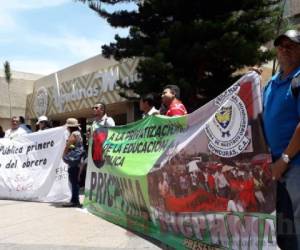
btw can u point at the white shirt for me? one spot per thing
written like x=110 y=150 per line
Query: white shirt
x=105 y=121
x=11 y=134
x=152 y=111
x=25 y=127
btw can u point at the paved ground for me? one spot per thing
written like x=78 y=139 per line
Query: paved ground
x=39 y=226
x=32 y=226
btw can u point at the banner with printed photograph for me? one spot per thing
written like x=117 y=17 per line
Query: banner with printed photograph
x=200 y=181
x=31 y=167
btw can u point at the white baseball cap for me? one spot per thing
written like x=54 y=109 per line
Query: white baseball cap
x=42 y=118
x=293 y=35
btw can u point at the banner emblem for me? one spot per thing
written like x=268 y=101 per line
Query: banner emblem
x=228 y=127
x=223 y=117
x=41 y=101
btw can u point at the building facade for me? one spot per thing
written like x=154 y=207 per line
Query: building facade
x=20 y=86
x=72 y=92
x=292 y=12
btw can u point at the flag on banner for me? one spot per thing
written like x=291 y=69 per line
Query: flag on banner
x=192 y=182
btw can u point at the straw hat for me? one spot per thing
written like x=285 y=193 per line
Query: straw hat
x=72 y=122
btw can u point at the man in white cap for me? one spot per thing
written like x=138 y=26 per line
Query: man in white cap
x=43 y=123
x=281 y=117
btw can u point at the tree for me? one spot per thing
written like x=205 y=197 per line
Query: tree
x=7 y=73
x=198 y=45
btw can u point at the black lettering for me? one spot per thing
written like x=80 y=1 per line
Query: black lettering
x=92 y=184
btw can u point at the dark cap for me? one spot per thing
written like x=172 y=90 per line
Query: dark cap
x=293 y=35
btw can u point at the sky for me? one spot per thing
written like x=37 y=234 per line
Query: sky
x=44 y=36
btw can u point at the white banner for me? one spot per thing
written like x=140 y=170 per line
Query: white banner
x=31 y=167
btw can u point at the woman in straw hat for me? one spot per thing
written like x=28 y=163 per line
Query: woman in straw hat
x=72 y=155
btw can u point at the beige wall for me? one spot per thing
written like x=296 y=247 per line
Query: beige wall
x=20 y=86
x=292 y=8
x=83 y=68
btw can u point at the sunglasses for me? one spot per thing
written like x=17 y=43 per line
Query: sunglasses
x=96 y=108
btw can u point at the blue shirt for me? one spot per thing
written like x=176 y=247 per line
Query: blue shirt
x=281 y=114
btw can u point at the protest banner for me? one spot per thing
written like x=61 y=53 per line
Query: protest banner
x=31 y=167
x=200 y=181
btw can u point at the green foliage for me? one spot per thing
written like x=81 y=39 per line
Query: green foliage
x=7 y=72
x=195 y=44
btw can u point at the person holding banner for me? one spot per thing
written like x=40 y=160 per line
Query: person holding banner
x=171 y=105
x=147 y=105
x=72 y=155
x=23 y=125
x=281 y=118
x=100 y=132
x=43 y=123
x=101 y=118
x=15 y=129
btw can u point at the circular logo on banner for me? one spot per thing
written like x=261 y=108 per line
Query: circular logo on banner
x=41 y=101
x=227 y=129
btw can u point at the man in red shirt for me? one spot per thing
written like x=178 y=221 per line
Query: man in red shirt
x=172 y=105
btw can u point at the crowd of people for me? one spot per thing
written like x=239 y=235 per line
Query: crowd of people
x=75 y=153
x=281 y=112
x=239 y=186
x=19 y=127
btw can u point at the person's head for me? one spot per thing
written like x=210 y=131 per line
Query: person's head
x=75 y=137
x=2 y=133
x=72 y=125
x=15 y=122
x=21 y=119
x=288 y=49
x=147 y=102
x=42 y=122
x=99 y=109
x=170 y=92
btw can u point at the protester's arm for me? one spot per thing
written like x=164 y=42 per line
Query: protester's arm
x=71 y=140
x=279 y=167
x=81 y=168
x=258 y=70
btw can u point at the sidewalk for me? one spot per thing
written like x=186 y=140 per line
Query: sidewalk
x=32 y=226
